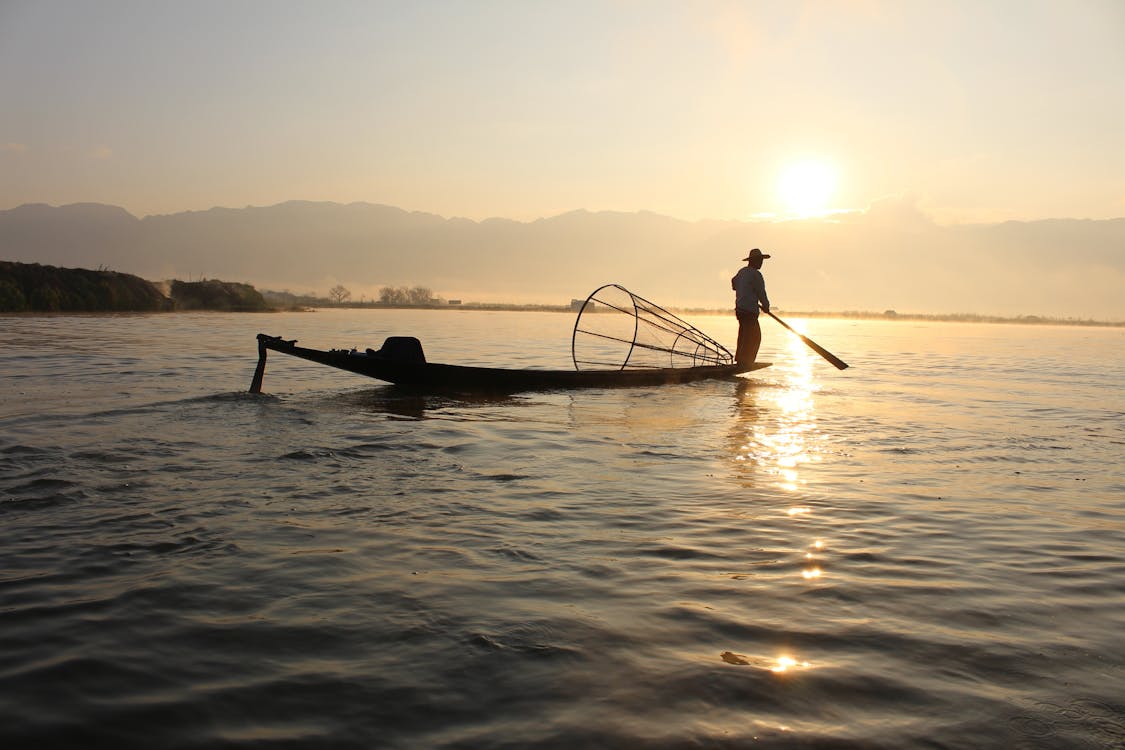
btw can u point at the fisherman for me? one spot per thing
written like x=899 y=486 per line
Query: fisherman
x=749 y=294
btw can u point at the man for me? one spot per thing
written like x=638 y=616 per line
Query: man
x=749 y=293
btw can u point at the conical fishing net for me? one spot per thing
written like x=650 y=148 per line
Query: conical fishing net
x=619 y=330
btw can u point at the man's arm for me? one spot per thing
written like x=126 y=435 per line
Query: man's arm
x=760 y=289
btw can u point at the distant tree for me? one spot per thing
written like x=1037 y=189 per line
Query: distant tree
x=11 y=297
x=402 y=295
x=395 y=295
x=420 y=295
x=339 y=294
x=46 y=299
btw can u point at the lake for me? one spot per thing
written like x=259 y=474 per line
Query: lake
x=924 y=550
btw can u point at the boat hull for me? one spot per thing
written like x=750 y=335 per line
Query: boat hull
x=436 y=376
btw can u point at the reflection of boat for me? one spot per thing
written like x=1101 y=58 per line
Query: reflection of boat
x=619 y=339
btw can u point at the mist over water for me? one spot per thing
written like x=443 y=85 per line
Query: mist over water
x=927 y=549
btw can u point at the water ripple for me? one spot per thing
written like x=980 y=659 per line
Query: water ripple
x=921 y=552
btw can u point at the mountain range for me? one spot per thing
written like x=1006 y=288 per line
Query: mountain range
x=888 y=257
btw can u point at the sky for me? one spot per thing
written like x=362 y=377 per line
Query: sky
x=972 y=111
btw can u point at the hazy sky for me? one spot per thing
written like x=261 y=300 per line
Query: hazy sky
x=980 y=110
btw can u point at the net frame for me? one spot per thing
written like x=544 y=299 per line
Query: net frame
x=654 y=332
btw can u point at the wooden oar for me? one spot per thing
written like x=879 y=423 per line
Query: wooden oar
x=839 y=363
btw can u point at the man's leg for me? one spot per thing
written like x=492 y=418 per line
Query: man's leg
x=740 y=350
x=753 y=341
x=749 y=339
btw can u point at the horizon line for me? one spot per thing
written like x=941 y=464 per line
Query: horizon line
x=827 y=216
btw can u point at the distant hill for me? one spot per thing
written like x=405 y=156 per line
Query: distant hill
x=217 y=295
x=37 y=288
x=890 y=256
x=32 y=287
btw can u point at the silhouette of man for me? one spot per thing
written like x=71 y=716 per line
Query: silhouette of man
x=749 y=294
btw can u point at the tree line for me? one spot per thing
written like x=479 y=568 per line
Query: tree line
x=389 y=295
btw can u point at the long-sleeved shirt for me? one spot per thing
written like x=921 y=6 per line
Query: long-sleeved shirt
x=749 y=290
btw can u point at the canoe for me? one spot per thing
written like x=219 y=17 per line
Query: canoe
x=394 y=365
x=619 y=339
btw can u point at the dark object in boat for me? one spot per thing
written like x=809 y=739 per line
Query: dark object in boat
x=619 y=339
x=401 y=349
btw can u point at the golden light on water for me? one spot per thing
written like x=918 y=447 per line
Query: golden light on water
x=812 y=571
x=800 y=325
x=783 y=663
x=787 y=663
x=778 y=665
x=778 y=436
x=784 y=443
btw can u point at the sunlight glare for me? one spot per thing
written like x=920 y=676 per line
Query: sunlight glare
x=786 y=663
x=805 y=187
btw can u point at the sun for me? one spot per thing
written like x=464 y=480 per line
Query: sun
x=806 y=187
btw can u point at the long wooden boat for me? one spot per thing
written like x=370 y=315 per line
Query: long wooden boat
x=431 y=375
x=619 y=339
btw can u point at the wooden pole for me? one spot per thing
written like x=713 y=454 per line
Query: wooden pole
x=260 y=370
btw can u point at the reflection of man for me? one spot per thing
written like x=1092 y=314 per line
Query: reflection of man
x=749 y=293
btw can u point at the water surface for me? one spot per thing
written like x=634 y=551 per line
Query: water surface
x=925 y=550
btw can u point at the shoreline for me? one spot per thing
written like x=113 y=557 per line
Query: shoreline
x=844 y=315
x=1039 y=320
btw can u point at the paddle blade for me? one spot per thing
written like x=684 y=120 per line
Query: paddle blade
x=836 y=361
x=839 y=363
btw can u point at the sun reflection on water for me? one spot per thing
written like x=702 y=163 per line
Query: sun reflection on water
x=777 y=428
x=812 y=570
x=778 y=665
x=786 y=663
x=776 y=435
x=774 y=441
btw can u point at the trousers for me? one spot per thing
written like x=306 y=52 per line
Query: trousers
x=749 y=337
